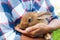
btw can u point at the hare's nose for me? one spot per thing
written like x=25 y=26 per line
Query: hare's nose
x=24 y=26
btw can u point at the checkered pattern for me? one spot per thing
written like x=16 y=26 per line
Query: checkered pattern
x=11 y=12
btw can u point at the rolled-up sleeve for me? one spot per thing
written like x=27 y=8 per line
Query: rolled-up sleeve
x=50 y=8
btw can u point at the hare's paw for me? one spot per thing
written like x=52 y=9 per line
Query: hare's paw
x=48 y=37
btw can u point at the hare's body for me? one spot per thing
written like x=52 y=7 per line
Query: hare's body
x=32 y=18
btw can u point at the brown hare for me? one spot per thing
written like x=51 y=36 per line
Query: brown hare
x=31 y=18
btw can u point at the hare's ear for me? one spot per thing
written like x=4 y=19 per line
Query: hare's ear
x=43 y=15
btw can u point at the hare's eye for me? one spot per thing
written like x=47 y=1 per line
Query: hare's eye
x=29 y=20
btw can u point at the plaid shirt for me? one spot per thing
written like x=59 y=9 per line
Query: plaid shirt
x=11 y=12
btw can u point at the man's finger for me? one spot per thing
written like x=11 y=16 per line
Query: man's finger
x=23 y=31
x=29 y=29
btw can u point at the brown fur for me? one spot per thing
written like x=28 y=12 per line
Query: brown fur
x=32 y=18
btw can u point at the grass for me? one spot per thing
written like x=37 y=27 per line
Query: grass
x=56 y=35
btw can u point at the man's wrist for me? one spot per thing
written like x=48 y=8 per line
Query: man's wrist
x=49 y=29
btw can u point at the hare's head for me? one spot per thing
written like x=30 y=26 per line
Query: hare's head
x=32 y=18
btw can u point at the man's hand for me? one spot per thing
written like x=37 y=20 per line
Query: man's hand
x=41 y=28
x=36 y=30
